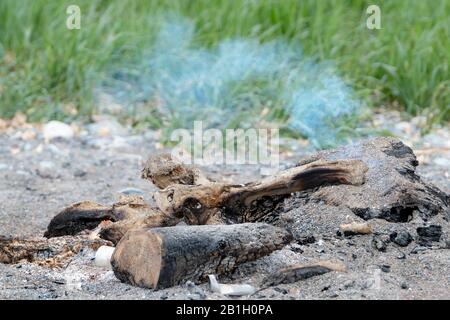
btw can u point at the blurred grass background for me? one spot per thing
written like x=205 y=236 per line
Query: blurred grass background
x=49 y=72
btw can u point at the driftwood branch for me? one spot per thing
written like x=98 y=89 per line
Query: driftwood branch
x=128 y=213
x=164 y=257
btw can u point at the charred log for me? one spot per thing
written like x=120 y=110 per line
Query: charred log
x=164 y=257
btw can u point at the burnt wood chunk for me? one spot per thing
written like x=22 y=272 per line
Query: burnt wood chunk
x=129 y=212
x=227 y=203
x=115 y=231
x=393 y=191
x=164 y=170
x=164 y=257
x=301 y=272
x=85 y=215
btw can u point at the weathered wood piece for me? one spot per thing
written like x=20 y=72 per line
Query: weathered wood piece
x=355 y=228
x=301 y=272
x=164 y=170
x=393 y=191
x=85 y=215
x=164 y=257
x=129 y=212
x=227 y=203
x=115 y=231
x=48 y=252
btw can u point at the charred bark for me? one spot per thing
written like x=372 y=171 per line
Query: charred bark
x=226 y=203
x=129 y=212
x=301 y=272
x=164 y=257
x=85 y=215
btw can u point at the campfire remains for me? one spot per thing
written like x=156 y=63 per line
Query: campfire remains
x=229 y=224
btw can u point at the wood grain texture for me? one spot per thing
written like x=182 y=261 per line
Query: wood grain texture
x=164 y=257
x=48 y=252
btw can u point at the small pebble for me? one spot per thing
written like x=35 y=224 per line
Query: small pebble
x=386 y=268
x=296 y=248
x=46 y=170
x=401 y=256
x=379 y=244
x=57 y=129
x=164 y=296
x=401 y=238
x=79 y=173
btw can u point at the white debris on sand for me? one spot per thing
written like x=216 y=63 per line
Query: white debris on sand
x=57 y=129
x=103 y=257
x=230 y=289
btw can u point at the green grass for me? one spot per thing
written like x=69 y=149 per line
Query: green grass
x=48 y=71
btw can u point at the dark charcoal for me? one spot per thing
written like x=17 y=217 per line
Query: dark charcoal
x=379 y=244
x=386 y=268
x=306 y=240
x=429 y=234
x=401 y=238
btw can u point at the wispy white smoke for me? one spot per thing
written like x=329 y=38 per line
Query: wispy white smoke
x=218 y=85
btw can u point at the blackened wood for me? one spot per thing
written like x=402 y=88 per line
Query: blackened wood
x=165 y=257
x=227 y=203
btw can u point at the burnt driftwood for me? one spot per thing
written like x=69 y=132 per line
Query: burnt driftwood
x=164 y=257
x=299 y=272
x=374 y=178
x=187 y=194
x=393 y=191
x=215 y=202
x=85 y=215
x=128 y=213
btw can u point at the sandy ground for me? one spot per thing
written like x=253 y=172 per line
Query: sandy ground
x=38 y=179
